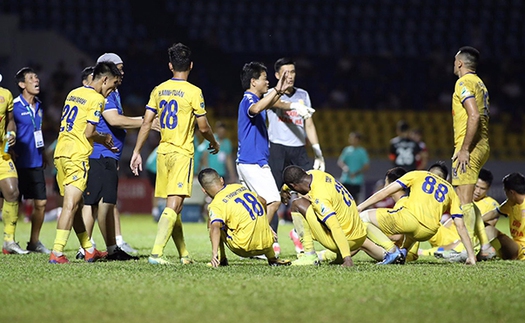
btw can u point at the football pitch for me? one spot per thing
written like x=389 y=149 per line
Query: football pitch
x=428 y=290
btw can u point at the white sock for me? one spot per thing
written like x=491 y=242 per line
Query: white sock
x=93 y=243
x=120 y=240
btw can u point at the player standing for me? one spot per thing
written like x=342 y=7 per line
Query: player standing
x=77 y=133
x=178 y=104
x=470 y=115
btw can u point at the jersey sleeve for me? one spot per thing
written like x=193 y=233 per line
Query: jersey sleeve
x=455 y=206
x=10 y=104
x=406 y=180
x=465 y=89
x=111 y=103
x=197 y=104
x=307 y=101
x=215 y=214
x=94 y=109
x=153 y=102
x=323 y=209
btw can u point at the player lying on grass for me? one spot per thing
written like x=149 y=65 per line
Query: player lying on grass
x=514 y=208
x=419 y=218
x=237 y=219
x=327 y=213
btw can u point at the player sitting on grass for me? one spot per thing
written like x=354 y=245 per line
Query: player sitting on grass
x=237 y=219
x=514 y=207
x=419 y=218
x=328 y=214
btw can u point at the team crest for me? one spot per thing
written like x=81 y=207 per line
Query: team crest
x=179 y=185
x=75 y=177
x=2 y=99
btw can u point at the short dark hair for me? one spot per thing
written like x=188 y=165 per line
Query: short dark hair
x=470 y=56
x=442 y=167
x=293 y=175
x=515 y=182
x=395 y=173
x=180 y=57
x=283 y=61
x=87 y=72
x=105 y=68
x=486 y=176
x=402 y=126
x=207 y=176
x=20 y=76
x=252 y=70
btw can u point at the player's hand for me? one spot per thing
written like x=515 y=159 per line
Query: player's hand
x=471 y=261
x=214 y=147
x=283 y=84
x=274 y=235
x=11 y=138
x=347 y=262
x=108 y=142
x=215 y=261
x=319 y=163
x=304 y=111
x=285 y=196
x=136 y=163
x=155 y=125
x=463 y=159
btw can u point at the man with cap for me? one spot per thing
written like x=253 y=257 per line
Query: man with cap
x=101 y=192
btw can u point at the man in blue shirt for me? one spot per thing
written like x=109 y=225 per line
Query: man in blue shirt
x=29 y=151
x=253 y=145
x=101 y=192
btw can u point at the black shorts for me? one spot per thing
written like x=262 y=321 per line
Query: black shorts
x=102 y=183
x=282 y=156
x=152 y=177
x=32 y=183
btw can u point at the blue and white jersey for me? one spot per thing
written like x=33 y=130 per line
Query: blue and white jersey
x=28 y=119
x=118 y=134
x=252 y=133
x=286 y=127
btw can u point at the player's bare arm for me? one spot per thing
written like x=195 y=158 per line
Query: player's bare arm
x=215 y=238
x=490 y=216
x=11 y=128
x=463 y=155
x=102 y=138
x=207 y=133
x=136 y=159
x=117 y=120
x=379 y=196
x=465 y=239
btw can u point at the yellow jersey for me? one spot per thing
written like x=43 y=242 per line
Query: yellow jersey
x=177 y=103
x=330 y=198
x=82 y=105
x=6 y=106
x=516 y=214
x=470 y=86
x=430 y=196
x=486 y=204
x=243 y=217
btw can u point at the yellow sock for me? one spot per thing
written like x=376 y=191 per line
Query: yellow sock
x=303 y=231
x=378 y=237
x=178 y=237
x=84 y=241
x=10 y=217
x=480 y=228
x=60 y=240
x=164 y=230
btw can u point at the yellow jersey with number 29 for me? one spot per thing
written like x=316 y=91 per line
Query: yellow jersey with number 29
x=82 y=105
x=177 y=103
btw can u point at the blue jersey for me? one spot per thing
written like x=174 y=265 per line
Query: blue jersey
x=118 y=134
x=27 y=121
x=252 y=133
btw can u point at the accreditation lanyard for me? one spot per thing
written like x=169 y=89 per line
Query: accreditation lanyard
x=37 y=133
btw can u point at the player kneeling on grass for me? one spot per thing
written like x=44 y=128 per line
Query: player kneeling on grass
x=509 y=248
x=237 y=219
x=328 y=214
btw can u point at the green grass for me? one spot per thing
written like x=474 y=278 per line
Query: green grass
x=428 y=290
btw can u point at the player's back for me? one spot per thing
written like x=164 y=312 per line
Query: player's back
x=243 y=215
x=430 y=196
x=177 y=103
x=470 y=86
x=82 y=105
x=329 y=197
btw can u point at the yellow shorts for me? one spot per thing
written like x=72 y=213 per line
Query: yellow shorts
x=7 y=167
x=478 y=158
x=174 y=175
x=444 y=236
x=247 y=251
x=402 y=221
x=71 y=172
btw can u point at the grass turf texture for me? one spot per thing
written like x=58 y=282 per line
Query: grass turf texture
x=428 y=290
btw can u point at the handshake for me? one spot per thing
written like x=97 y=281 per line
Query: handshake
x=304 y=111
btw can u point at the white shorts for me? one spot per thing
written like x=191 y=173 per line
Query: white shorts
x=260 y=180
